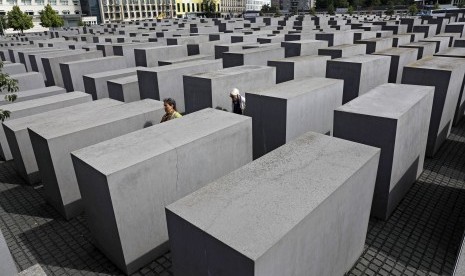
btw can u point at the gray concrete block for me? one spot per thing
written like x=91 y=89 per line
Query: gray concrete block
x=303 y=47
x=36 y=106
x=36 y=60
x=220 y=49
x=400 y=57
x=345 y=50
x=153 y=82
x=425 y=49
x=459 y=268
x=53 y=141
x=7 y=264
x=428 y=29
x=360 y=73
x=376 y=44
x=35 y=270
x=125 y=89
x=28 y=81
x=52 y=65
x=14 y=68
x=73 y=72
x=447 y=76
x=32 y=94
x=212 y=89
x=442 y=43
x=302 y=209
x=96 y=83
x=149 y=57
x=455 y=27
x=285 y=111
x=398 y=40
x=299 y=67
x=394 y=118
x=164 y=163
x=253 y=56
x=20 y=143
x=185 y=59
x=336 y=38
x=127 y=51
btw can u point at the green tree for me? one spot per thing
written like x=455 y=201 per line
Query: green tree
x=10 y=86
x=50 y=18
x=209 y=8
x=436 y=6
x=390 y=10
x=412 y=9
x=460 y=4
x=313 y=11
x=80 y=23
x=350 y=10
x=19 y=20
x=3 y=25
x=331 y=9
x=321 y=4
x=342 y=3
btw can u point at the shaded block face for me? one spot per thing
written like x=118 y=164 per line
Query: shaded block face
x=283 y=112
x=299 y=67
x=360 y=73
x=346 y=50
x=160 y=164
x=400 y=57
x=336 y=38
x=212 y=89
x=53 y=141
x=447 y=76
x=96 y=84
x=154 y=84
x=20 y=143
x=149 y=57
x=124 y=89
x=425 y=49
x=376 y=44
x=394 y=118
x=314 y=221
x=254 y=56
x=303 y=47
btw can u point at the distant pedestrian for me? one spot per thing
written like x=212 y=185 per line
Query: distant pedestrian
x=238 y=101
x=170 y=110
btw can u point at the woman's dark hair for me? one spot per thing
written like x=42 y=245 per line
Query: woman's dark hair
x=171 y=102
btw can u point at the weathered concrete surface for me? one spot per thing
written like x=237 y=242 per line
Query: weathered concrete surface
x=442 y=43
x=125 y=89
x=36 y=106
x=299 y=67
x=345 y=50
x=14 y=68
x=306 y=47
x=460 y=264
x=96 y=83
x=212 y=89
x=400 y=57
x=127 y=51
x=27 y=95
x=185 y=59
x=302 y=209
x=149 y=57
x=253 y=56
x=394 y=118
x=153 y=82
x=360 y=73
x=7 y=265
x=53 y=141
x=376 y=44
x=447 y=76
x=164 y=163
x=285 y=111
x=20 y=143
x=425 y=49
x=73 y=72
x=28 y=81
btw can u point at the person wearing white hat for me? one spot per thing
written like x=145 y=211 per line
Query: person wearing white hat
x=238 y=101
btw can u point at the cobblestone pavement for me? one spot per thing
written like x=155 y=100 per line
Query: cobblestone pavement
x=422 y=236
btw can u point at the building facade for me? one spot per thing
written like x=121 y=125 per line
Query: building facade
x=187 y=8
x=91 y=8
x=127 y=10
x=232 y=7
x=256 y=5
x=295 y=5
x=33 y=7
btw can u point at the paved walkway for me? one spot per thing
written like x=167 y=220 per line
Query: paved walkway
x=422 y=236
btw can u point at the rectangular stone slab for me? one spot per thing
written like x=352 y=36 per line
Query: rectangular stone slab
x=127 y=51
x=212 y=89
x=74 y=71
x=345 y=50
x=20 y=143
x=14 y=68
x=155 y=167
x=400 y=57
x=376 y=44
x=37 y=64
x=425 y=49
x=303 y=207
x=96 y=83
x=360 y=73
x=303 y=47
x=153 y=82
x=447 y=76
x=32 y=94
x=28 y=81
x=285 y=111
x=149 y=57
x=253 y=56
x=52 y=65
x=394 y=118
x=125 y=89
x=299 y=67
x=6 y=260
x=36 y=106
x=53 y=141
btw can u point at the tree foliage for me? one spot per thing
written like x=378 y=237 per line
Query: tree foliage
x=19 y=20
x=50 y=18
x=350 y=10
x=331 y=9
x=209 y=8
x=412 y=9
x=269 y=9
x=10 y=86
x=390 y=10
x=436 y=6
x=3 y=25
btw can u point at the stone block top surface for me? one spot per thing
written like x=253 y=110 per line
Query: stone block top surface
x=238 y=70
x=179 y=65
x=42 y=101
x=397 y=51
x=360 y=59
x=113 y=72
x=438 y=63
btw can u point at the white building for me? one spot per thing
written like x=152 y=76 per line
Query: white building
x=256 y=5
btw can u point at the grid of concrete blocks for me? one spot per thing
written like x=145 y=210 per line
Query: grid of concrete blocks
x=341 y=113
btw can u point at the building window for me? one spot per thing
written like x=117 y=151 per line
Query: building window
x=178 y=6
x=198 y=7
x=183 y=7
x=188 y=7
